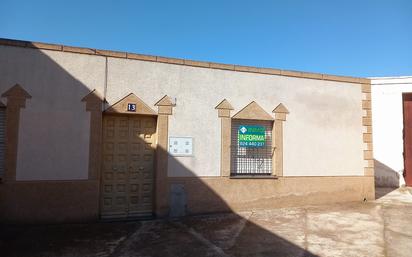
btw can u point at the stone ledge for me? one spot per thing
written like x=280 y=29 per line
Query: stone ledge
x=170 y=60
x=288 y=73
x=141 y=57
x=45 y=46
x=222 y=66
x=78 y=50
x=111 y=53
x=253 y=177
x=197 y=63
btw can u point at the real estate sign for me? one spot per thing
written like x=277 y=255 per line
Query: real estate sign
x=251 y=136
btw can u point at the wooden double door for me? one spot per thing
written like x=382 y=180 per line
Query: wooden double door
x=407 y=137
x=127 y=181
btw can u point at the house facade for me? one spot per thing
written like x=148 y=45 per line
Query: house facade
x=94 y=134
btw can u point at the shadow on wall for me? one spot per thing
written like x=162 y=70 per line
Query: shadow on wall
x=385 y=176
x=74 y=200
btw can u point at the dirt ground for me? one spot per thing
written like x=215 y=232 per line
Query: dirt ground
x=378 y=228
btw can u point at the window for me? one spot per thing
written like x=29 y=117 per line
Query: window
x=2 y=140
x=251 y=147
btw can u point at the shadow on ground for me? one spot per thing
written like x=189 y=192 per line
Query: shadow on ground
x=380 y=228
x=209 y=235
x=385 y=176
x=64 y=201
x=382 y=191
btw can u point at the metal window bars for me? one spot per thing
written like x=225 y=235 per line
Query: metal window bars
x=251 y=161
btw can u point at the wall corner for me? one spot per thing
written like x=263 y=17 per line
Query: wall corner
x=366 y=90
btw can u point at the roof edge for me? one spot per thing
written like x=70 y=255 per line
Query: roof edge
x=392 y=77
x=202 y=64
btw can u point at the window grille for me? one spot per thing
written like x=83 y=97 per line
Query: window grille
x=251 y=160
x=2 y=140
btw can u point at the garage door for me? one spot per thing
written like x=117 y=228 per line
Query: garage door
x=127 y=172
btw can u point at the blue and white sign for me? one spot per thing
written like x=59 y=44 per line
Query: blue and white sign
x=131 y=107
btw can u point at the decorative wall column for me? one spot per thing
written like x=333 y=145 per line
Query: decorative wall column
x=224 y=108
x=367 y=130
x=94 y=102
x=16 y=99
x=277 y=137
x=165 y=108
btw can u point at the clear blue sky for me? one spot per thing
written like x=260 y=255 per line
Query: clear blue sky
x=347 y=37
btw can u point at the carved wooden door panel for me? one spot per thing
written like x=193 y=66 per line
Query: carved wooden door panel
x=407 y=138
x=127 y=172
x=142 y=142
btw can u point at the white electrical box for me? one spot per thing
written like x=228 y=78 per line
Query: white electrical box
x=181 y=146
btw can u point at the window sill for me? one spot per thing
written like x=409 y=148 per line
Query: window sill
x=253 y=177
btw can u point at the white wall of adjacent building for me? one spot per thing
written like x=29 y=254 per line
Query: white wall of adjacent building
x=387 y=123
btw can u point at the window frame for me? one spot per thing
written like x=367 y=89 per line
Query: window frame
x=252 y=155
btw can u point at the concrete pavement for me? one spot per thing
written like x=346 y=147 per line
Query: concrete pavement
x=379 y=228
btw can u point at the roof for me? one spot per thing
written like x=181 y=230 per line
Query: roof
x=404 y=80
x=176 y=61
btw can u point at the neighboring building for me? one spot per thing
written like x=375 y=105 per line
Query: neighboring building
x=100 y=134
x=392 y=134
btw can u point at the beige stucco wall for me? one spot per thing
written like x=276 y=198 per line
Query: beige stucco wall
x=54 y=126
x=323 y=132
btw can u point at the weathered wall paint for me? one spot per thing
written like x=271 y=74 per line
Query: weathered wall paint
x=323 y=132
x=54 y=126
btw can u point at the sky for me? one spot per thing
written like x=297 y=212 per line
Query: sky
x=362 y=38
